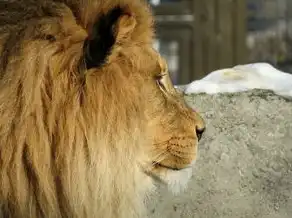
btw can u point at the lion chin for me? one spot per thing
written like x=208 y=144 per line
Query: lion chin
x=84 y=101
x=176 y=181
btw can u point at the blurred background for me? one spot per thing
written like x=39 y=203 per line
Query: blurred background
x=199 y=36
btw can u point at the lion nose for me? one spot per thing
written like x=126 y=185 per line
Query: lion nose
x=199 y=132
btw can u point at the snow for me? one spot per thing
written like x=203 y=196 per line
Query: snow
x=242 y=78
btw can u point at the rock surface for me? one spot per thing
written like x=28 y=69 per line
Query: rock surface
x=244 y=168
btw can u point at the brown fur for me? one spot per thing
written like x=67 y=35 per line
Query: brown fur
x=76 y=143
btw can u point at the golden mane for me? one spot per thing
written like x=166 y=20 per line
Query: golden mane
x=61 y=132
x=89 y=116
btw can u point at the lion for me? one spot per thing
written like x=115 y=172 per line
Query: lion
x=90 y=120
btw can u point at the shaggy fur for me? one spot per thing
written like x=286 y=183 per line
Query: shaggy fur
x=79 y=140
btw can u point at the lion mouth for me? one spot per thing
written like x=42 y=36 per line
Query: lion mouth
x=174 y=178
x=159 y=165
x=156 y=165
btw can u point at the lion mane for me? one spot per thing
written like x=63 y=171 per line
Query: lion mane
x=74 y=120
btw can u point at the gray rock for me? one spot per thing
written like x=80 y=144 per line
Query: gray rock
x=244 y=168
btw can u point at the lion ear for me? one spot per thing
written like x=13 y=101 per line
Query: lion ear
x=101 y=38
x=106 y=31
x=125 y=27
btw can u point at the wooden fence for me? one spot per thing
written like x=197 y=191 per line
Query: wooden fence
x=219 y=35
x=210 y=34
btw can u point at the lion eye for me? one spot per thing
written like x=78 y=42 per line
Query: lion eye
x=160 y=82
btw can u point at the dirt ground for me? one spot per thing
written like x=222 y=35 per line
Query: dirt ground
x=244 y=168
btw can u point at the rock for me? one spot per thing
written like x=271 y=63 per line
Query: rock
x=244 y=168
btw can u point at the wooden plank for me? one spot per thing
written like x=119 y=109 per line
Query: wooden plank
x=198 y=71
x=225 y=33
x=209 y=38
x=240 y=32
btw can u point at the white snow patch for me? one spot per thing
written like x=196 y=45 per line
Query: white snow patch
x=242 y=78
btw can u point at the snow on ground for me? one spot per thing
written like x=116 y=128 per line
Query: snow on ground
x=242 y=78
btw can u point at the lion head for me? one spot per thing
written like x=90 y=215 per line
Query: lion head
x=89 y=116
